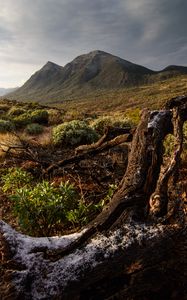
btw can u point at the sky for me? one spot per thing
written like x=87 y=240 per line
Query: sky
x=147 y=32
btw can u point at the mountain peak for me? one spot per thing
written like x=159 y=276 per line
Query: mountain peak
x=50 y=65
x=98 y=52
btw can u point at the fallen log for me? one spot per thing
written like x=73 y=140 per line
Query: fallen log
x=124 y=253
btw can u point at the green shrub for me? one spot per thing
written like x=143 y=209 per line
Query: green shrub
x=15 y=178
x=102 y=123
x=43 y=207
x=34 y=128
x=16 y=111
x=39 y=116
x=6 y=126
x=22 y=120
x=74 y=133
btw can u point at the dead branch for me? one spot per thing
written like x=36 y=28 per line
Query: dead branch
x=94 y=150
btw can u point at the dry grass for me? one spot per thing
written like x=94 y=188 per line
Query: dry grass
x=9 y=142
x=43 y=139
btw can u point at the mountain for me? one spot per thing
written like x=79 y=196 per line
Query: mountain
x=4 y=91
x=87 y=73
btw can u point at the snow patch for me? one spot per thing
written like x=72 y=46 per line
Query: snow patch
x=155 y=118
x=52 y=276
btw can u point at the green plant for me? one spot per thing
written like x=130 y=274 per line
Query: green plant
x=16 y=111
x=39 y=116
x=102 y=123
x=14 y=179
x=74 y=133
x=22 y=120
x=112 y=188
x=6 y=126
x=43 y=207
x=34 y=128
x=169 y=145
x=83 y=213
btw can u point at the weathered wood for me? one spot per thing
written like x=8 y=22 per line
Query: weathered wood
x=90 y=151
x=109 y=134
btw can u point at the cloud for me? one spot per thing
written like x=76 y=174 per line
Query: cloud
x=149 y=32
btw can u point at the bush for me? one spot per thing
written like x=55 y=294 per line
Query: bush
x=40 y=209
x=6 y=126
x=37 y=116
x=34 y=129
x=74 y=133
x=102 y=123
x=15 y=178
x=22 y=120
x=16 y=111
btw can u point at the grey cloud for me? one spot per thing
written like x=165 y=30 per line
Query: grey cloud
x=149 y=32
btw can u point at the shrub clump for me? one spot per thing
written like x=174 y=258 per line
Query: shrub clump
x=43 y=207
x=6 y=126
x=74 y=133
x=34 y=129
x=102 y=123
x=15 y=178
x=16 y=111
x=39 y=116
x=22 y=120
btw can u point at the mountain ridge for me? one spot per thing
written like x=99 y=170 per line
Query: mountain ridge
x=96 y=70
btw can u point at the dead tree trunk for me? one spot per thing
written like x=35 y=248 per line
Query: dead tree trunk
x=135 y=249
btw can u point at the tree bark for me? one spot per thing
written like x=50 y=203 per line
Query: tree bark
x=134 y=249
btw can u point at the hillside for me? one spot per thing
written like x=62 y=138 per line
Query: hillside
x=87 y=74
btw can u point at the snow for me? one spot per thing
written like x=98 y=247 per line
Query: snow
x=54 y=275
x=155 y=118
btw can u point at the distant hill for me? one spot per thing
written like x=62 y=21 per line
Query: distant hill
x=95 y=71
x=4 y=91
